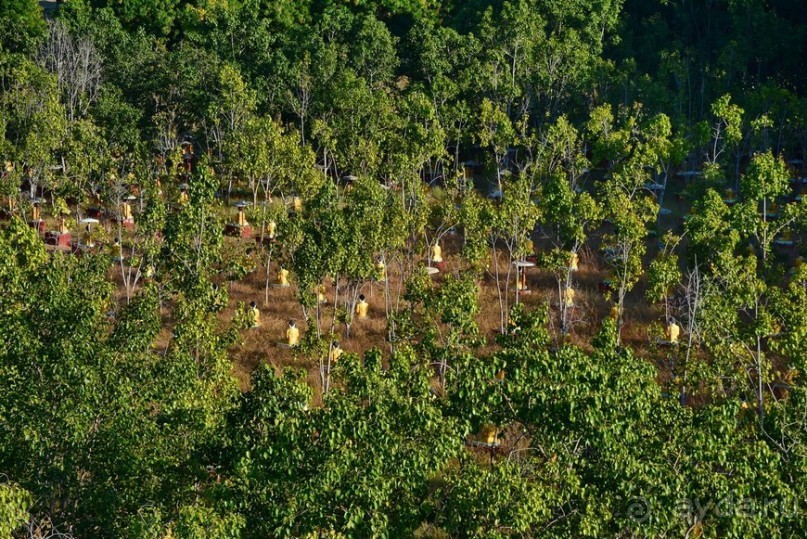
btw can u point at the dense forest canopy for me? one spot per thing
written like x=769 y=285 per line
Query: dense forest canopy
x=330 y=268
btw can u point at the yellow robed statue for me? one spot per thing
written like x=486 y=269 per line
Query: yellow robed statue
x=335 y=353
x=672 y=332
x=126 y=211
x=86 y=237
x=115 y=251
x=568 y=296
x=574 y=260
x=321 y=298
x=361 y=307
x=283 y=277
x=254 y=315
x=437 y=253
x=242 y=217
x=292 y=334
x=522 y=280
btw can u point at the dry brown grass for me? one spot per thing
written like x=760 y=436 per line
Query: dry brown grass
x=260 y=345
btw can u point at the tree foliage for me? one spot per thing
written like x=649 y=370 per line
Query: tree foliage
x=139 y=398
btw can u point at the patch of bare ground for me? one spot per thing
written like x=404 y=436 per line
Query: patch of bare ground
x=262 y=344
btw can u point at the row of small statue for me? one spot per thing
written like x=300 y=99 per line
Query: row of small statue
x=126 y=215
x=241 y=219
x=521 y=283
x=242 y=228
x=771 y=207
x=293 y=332
x=36 y=213
x=672 y=331
x=282 y=279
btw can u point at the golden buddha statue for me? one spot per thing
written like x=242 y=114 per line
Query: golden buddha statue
x=574 y=260
x=321 y=298
x=521 y=284
x=292 y=334
x=672 y=331
x=242 y=217
x=254 y=315
x=437 y=253
x=283 y=277
x=115 y=251
x=380 y=271
x=361 y=307
x=126 y=211
x=36 y=212
x=335 y=353
x=86 y=237
x=487 y=434
x=271 y=229
x=568 y=296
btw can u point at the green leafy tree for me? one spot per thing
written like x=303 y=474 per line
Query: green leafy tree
x=498 y=134
x=231 y=106
x=446 y=59
x=513 y=222
x=762 y=185
x=568 y=217
x=156 y=17
x=91 y=398
x=663 y=274
x=193 y=236
x=727 y=127
x=14 y=505
x=23 y=25
x=35 y=121
x=631 y=147
x=379 y=436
